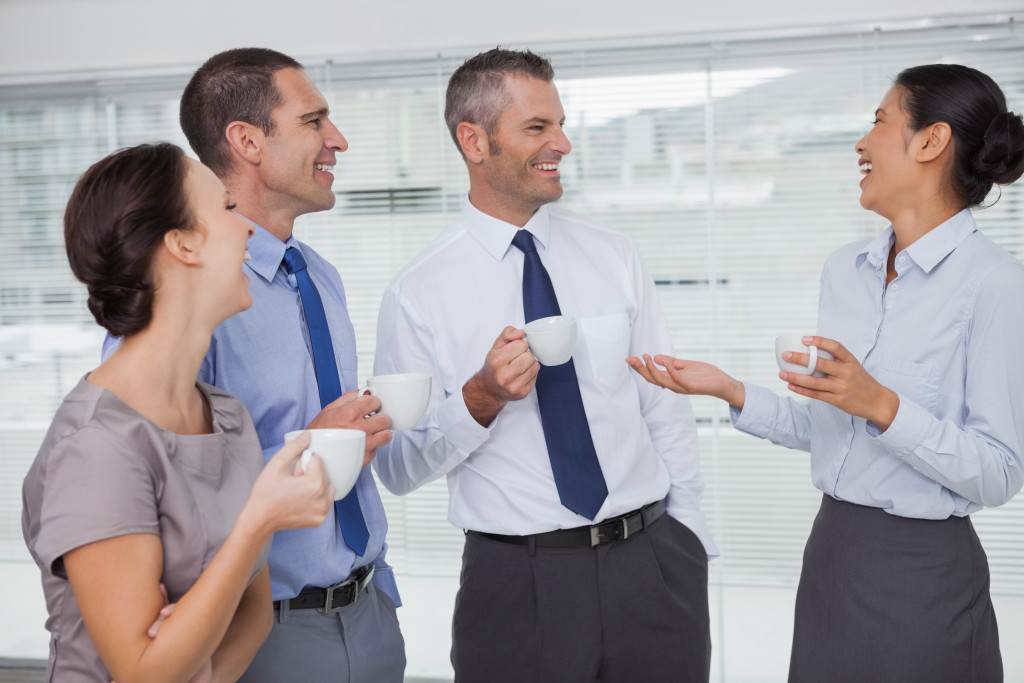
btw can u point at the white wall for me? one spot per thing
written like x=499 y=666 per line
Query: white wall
x=60 y=35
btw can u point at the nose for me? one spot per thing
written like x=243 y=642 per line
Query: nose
x=859 y=145
x=560 y=142
x=333 y=139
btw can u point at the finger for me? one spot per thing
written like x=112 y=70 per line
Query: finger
x=364 y=405
x=830 y=345
x=163 y=592
x=314 y=467
x=796 y=358
x=513 y=350
x=347 y=397
x=292 y=449
x=509 y=334
x=656 y=375
x=376 y=440
x=808 y=382
x=373 y=424
x=522 y=363
x=639 y=367
x=668 y=361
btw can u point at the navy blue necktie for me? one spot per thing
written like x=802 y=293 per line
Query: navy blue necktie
x=578 y=476
x=350 y=516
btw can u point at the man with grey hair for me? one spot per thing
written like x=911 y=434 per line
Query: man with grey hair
x=562 y=474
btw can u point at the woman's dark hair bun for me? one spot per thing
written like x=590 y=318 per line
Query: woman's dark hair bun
x=116 y=217
x=1001 y=157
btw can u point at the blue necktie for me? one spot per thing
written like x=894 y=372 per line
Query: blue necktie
x=578 y=477
x=350 y=516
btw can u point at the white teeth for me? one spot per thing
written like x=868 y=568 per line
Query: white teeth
x=323 y=167
x=247 y=256
x=546 y=167
x=865 y=168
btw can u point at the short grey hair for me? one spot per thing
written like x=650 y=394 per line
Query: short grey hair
x=476 y=91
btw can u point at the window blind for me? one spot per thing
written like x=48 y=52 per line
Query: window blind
x=729 y=161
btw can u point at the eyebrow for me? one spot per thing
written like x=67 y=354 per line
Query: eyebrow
x=319 y=113
x=879 y=111
x=541 y=119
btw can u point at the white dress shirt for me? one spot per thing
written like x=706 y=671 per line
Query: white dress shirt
x=946 y=337
x=442 y=314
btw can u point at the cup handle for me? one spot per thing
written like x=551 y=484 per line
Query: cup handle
x=304 y=460
x=366 y=390
x=813 y=361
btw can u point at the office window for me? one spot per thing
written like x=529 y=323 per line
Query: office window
x=730 y=164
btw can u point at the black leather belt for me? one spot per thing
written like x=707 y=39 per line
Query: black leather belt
x=332 y=598
x=614 y=529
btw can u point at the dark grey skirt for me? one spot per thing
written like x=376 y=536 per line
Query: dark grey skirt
x=893 y=599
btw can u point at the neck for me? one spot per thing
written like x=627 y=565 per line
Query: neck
x=495 y=208
x=252 y=202
x=912 y=224
x=155 y=370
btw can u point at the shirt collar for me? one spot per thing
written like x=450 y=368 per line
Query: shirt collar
x=266 y=251
x=495 y=235
x=928 y=251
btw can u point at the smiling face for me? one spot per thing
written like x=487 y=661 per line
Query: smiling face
x=519 y=170
x=297 y=167
x=225 y=235
x=886 y=161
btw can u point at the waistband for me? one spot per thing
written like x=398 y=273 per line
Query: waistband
x=614 y=529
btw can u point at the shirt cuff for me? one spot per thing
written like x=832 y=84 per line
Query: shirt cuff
x=460 y=429
x=758 y=415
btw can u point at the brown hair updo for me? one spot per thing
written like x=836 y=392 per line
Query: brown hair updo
x=118 y=214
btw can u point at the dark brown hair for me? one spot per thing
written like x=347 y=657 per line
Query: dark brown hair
x=988 y=140
x=476 y=91
x=235 y=85
x=117 y=216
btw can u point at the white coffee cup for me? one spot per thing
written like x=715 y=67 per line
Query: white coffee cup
x=403 y=397
x=552 y=340
x=342 y=451
x=796 y=345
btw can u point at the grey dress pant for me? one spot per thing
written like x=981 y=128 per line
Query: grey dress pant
x=360 y=643
x=626 y=611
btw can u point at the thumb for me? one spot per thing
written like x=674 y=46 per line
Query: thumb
x=285 y=458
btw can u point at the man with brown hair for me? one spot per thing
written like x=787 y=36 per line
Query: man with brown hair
x=258 y=120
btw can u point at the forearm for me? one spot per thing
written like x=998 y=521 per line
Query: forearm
x=202 y=616
x=986 y=469
x=784 y=421
x=446 y=437
x=249 y=627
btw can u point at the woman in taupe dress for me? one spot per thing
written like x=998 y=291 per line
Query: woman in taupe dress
x=148 y=481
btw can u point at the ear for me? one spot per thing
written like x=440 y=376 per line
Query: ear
x=183 y=245
x=245 y=140
x=472 y=141
x=933 y=141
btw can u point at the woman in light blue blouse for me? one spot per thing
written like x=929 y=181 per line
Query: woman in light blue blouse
x=919 y=420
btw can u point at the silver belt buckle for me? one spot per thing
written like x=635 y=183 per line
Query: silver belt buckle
x=328 y=608
x=360 y=586
x=595 y=533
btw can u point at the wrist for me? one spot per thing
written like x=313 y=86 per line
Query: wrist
x=888 y=406
x=254 y=524
x=480 y=403
x=737 y=395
